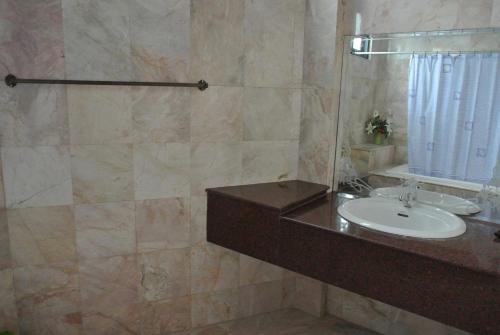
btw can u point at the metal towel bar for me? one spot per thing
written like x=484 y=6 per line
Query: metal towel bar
x=12 y=81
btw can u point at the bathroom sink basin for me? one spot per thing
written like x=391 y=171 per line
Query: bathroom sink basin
x=447 y=202
x=390 y=216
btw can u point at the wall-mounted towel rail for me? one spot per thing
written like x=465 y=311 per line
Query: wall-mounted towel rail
x=12 y=81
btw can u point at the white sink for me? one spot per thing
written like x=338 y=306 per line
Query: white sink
x=447 y=202
x=390 y=216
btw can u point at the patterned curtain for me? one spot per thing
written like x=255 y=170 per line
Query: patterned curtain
x=454 y=116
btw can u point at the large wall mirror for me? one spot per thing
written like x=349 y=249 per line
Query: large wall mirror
x=422 y=105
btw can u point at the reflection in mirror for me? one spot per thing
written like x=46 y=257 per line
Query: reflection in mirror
x=422 y=105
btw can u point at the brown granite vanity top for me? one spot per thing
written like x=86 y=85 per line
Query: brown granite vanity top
x=477 y=249
x=282 y=196
x=295 y=225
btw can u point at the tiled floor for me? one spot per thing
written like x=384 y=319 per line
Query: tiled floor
x=286 y=322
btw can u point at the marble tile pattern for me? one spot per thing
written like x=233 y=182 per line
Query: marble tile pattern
x=8 y=310
x=117 y=273
x=383 y=16
x=112 y=179
x=310 y=295
x=286 y=322
x=319 y=44
x=211 y=307
x=315 y=129
x=273 y=43
x=155 y=54
x=380 y=317
x=102 y=173
x=47 y=299
x=159 y=115
x=321 y=87
x=260 y=298
x=161 y=170
x=271 y=114
x=2 y=190
x=162 y=224
x=214 y=164
x=495 y=14
x=37 y=176
x=102 y=52
x=35 y=115
x=99 y=115
x=104 y=228
x=213 y=268
x=198 y=219
x=40 y=236
x=267 y=161
x=5 y=259
x=216 y=116
x=254 y=271
x=32 y=32
x=166 y=316
x=217 y=41
x=164 y=274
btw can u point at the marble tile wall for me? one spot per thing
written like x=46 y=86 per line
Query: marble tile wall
x=103 y=217
x=318 y=124
x=380 y=317
x=384 y=16
x=318 y=121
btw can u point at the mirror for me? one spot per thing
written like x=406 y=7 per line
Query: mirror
x=421 y=104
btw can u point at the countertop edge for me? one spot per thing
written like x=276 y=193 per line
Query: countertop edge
x=381 y=244
x=307 y=199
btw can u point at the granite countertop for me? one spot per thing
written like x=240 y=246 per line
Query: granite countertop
x=476 y=250
x=283 y=196
x=295 y=225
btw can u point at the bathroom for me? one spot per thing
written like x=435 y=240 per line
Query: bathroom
x=106 y=224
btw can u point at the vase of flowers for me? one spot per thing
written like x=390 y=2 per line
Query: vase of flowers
x=378 y=126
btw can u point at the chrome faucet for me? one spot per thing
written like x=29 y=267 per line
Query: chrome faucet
x=409 y=192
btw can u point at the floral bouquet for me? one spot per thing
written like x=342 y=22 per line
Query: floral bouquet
x=378 y=126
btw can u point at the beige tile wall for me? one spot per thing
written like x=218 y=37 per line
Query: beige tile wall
x=8 y=311
x=384 y=16
x=105 y=186
x=318 y=124
x=380 y=317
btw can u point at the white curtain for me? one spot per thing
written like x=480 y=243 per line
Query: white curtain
x=454 y=116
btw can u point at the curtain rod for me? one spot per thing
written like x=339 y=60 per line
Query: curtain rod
x=425 y=34
x=12 y=81
x=421 y=52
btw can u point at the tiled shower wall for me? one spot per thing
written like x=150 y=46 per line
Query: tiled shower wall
x=104 y=186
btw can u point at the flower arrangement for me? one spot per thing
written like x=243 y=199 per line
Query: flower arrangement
x=378 y=126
